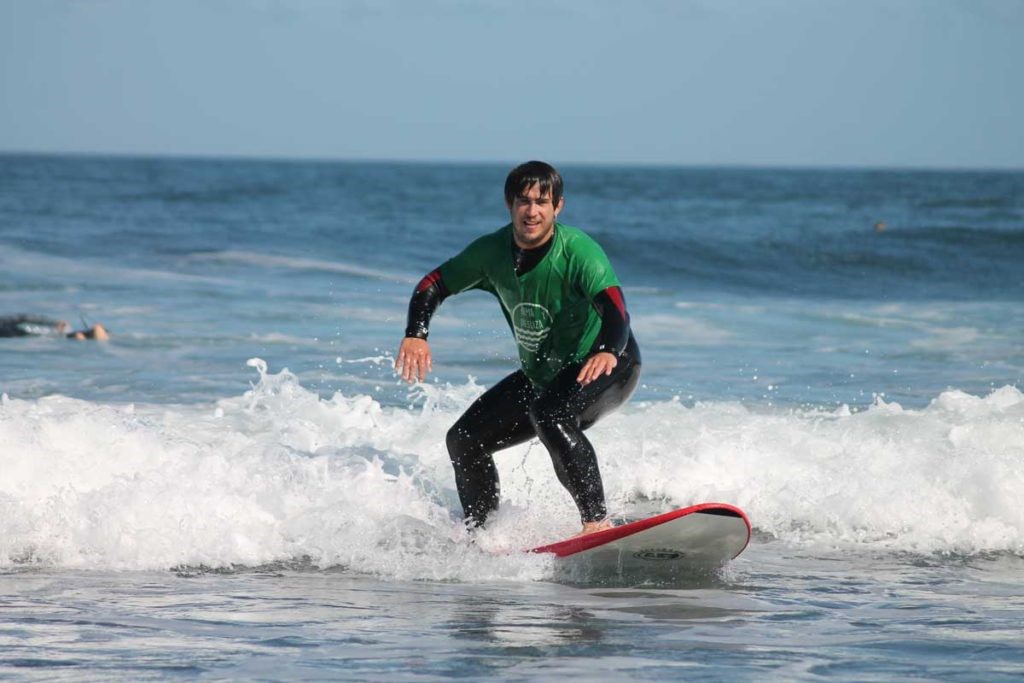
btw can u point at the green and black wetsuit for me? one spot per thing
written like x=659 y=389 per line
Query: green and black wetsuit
x=563 y=303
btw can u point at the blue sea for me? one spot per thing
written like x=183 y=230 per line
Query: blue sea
x=237 y=486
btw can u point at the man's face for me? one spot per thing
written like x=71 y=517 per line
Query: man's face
x=533 y=217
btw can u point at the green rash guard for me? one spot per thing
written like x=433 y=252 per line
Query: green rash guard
x=549 y=308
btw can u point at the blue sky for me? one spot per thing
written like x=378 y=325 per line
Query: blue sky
x=905 y=83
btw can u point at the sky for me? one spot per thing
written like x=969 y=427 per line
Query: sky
x=837 y=83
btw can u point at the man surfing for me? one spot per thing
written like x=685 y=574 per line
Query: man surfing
x=579 y=358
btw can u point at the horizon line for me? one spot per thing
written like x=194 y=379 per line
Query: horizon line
x=653 y=165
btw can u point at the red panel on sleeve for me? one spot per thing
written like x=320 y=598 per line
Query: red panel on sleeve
x=615 y=294
x=428 y=281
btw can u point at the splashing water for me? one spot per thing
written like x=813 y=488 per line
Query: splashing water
x=281 y=474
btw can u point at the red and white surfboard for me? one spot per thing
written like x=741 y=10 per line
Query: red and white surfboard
x=700 y=536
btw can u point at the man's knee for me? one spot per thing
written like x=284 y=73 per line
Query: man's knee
x=465 y=444
x=458 y=441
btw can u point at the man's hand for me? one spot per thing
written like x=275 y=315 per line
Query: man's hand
x=599 y=364
x=414 y=359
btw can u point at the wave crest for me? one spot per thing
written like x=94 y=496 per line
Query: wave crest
x=279 y=473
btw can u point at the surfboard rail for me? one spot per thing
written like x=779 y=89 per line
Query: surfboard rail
x=578 y=544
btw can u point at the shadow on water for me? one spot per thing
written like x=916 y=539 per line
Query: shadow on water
x=304 y=564
x=591 y=619
x=583 y=574
x=554 y=630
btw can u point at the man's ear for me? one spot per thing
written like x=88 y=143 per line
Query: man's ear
x=561 y=203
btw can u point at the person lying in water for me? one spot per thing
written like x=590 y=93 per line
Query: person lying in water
x=41 y=326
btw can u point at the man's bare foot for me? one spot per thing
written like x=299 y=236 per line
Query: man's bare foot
x=592 y=527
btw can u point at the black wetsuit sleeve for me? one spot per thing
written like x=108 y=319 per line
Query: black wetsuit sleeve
x=427 y=296
x=27 y=325
x=614 y=334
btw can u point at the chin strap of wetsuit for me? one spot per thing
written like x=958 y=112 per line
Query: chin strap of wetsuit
x=614 y=334
x=427 y=296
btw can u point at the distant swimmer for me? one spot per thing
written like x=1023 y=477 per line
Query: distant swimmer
x=41 y=326
x=579 y=360
x=880 y=226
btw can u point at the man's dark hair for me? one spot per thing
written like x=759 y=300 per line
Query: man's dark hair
x=524 y=176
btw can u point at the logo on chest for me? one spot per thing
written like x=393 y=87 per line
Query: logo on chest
x=532 y=325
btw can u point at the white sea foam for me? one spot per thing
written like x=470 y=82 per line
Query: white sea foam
x=19 y=261
x=279 y=474
x=676 y=331
x=281 y=338
x=261 y=259
x=947 y=339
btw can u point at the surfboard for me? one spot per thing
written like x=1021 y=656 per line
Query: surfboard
x=696 y=538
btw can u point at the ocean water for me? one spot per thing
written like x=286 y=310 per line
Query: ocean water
x=237 y=486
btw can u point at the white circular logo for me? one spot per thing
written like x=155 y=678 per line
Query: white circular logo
x=532 y=324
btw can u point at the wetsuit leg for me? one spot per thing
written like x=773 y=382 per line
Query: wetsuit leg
x=561 y=413
x=498 y=419
x=27 y=326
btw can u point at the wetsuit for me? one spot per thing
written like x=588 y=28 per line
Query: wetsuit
x=563 y=303
x=30 y=326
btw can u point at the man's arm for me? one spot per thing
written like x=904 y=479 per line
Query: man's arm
x=414 y=359
x=427 y=296
x=457 y=274
x=611 y=340
x=614 y=334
